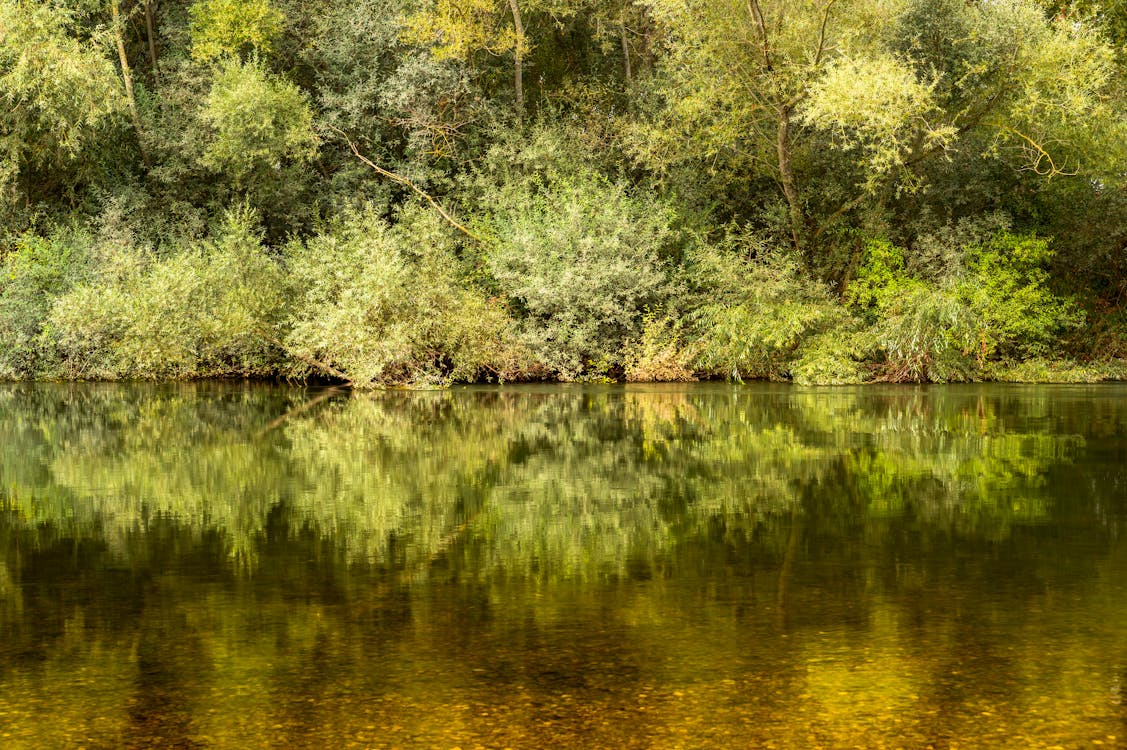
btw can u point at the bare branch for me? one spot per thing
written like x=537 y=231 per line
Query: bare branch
x=822 y=33
x=1041 y=161
x=405 y=182
x=757 y=14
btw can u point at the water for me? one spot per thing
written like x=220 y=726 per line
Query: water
x=236 y=566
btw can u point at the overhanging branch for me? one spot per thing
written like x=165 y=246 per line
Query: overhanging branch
x=406 y=183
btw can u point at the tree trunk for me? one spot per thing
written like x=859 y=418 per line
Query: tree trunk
x=786 y=177
x=518 y=26
x=782 y=132
x=625 y=51
x=127 y=78
x=152 y=41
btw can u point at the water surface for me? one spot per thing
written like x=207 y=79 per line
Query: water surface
x=241 y=566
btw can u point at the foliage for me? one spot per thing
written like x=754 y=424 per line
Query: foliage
x=1038 y=87
x=382 y=304
x=834 y=357
x=926 y=335
x=895 y=169
x=949 y=328
x=32 y=273
x=1041 y=370
x=1008 y=290
x=233 y=28
x=879 y=106
x=259 y=122
x=458 y=28
x=204 y=310
x=370 y=83
x=758 y=315
x=661 y=354
x=57 y=93
x=581 y=260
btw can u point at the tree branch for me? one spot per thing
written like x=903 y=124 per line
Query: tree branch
x=822 y=33
x=757 y=14
x=405 y=182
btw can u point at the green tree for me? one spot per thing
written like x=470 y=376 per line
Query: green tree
x=580 y=257
x=997 y=79
x=259 y=122
x=382 y=304
x=234 y=28
x=736 y=75
x=59 y=97
x=462 y=28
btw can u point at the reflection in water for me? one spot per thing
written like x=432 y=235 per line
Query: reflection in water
x=238 y=566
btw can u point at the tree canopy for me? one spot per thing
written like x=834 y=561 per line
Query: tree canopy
x=822 y=190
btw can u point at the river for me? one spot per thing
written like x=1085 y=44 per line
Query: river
x=702 y=565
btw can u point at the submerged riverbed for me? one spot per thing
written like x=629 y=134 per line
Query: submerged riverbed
x=587 y=566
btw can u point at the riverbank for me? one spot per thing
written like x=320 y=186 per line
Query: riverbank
x=1042 y=372
x=374 y=303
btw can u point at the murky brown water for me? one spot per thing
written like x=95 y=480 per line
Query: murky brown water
x=211 y=566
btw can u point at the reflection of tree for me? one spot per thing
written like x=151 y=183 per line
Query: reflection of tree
x=558 y=482
x=565 y=552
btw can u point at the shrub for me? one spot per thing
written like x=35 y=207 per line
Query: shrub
x=1040 y=370
x=829 y=358
x=758 y=315
x=1018 y=316
x=382 y=304
x=926 y=335
x=228 y=28
x=581 y=259
x=992 y=302
x=661 y=354
x=32 y=273
x=207 y=309
x=259 y=123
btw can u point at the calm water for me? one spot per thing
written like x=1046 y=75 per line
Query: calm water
x=672 y=566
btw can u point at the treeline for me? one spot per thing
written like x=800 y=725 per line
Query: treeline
x=432 y=191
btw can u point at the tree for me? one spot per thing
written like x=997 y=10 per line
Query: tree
x=233 y=28
x=127 y=77
x=460 y=28
x=777 y=84
x=259 y=122
x=463 y=28
x=58 y=94
x=1037 y=93
x=736 y=75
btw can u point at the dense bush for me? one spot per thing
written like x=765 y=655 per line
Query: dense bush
x=759 y=317
x=992 y=302
x=208 y=308
x=33 y=271
x=259 y=123
x=384 y=304
x=662 y=352
x=581 y=259
x=1018 y=314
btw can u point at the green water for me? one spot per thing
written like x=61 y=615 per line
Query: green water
x=670 y=566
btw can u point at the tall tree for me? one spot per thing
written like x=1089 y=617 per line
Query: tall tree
x=891 y=86
x=57 y=92
x=736 y=75
x=127 y=77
